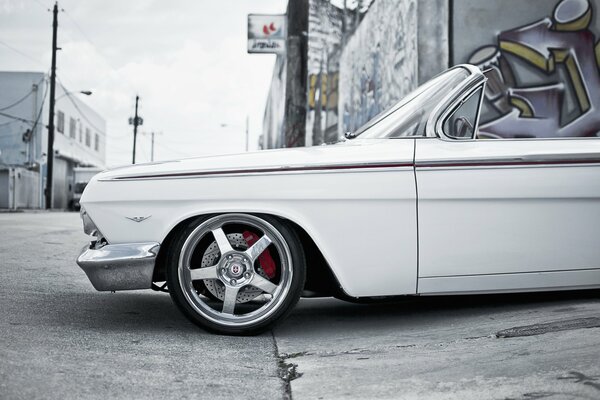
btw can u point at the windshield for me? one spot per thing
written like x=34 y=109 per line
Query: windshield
x=409 y=116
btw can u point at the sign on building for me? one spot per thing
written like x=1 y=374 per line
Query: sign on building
x=266 y=33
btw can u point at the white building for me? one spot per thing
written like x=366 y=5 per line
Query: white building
x=79 y=140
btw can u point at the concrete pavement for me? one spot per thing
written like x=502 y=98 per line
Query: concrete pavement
x=443 y=348
x=59 y=338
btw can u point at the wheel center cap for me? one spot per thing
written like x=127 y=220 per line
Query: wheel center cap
x=236 y=270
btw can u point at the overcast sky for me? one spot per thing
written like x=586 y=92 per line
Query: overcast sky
x=186 y=59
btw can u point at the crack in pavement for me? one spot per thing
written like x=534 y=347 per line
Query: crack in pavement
x=578 y=377
x=573 y=376
x=285 y=356
x=363 y=351
x=548 y=327
x=287 y=372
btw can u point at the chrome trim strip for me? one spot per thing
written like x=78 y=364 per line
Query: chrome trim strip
x=533 y=281
x=541 y=271
x=266 y=170
x=526 y=160
x=119 y=266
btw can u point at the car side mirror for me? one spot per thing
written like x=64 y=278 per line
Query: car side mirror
x=349 y=135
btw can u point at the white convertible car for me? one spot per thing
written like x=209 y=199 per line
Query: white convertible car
x=410 y=204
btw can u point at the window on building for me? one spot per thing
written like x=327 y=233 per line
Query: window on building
x=80 y=133
x=72 y=128
x=88 y=137
x=97 y=142
x=60 y=122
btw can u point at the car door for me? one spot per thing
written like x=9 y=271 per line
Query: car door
x=505 y=215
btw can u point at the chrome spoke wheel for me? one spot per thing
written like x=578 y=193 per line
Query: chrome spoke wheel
x=245 y=262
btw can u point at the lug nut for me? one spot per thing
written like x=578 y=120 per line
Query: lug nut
x=233 y=281
x=223 y=270
x=247 y=275
x=229 y=257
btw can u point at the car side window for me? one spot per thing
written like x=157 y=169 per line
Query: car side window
x=461 y=124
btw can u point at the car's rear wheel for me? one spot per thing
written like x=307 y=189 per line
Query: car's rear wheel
x=236 y=273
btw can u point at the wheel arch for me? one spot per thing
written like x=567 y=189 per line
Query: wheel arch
x=320 y=278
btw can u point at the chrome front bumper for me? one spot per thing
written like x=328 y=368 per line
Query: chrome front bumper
x=119 y=266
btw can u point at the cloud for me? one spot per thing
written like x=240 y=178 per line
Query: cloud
x=186 y=59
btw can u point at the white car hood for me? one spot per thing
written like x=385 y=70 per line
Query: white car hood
x=345 y=153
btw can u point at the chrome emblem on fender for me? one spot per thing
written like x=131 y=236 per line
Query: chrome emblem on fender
x=138 y=219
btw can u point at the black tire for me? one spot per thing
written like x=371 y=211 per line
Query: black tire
x=284 y=294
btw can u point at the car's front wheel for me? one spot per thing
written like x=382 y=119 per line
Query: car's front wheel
x=236 y=273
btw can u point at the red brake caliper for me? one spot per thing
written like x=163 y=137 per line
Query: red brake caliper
x=265 y=260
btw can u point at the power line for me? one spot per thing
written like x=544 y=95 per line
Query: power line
x=29 y=121
x=85 y=36
x=116 y=147
x=69 y=96
x=20 y=52
x=100 y=52
x=118 y=137
x=9 y=133
x=42 y=4
x=175 y=151
x=37 y=120
x=7 y=123
x=22 y=99
x=33 y=123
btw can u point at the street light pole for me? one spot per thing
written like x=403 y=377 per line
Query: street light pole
x=152 y=134
x=50 y=152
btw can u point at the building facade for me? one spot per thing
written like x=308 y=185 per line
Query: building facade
x=541 y=57
x=80 y=140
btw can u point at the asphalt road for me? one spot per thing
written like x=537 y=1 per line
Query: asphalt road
x=60 y=339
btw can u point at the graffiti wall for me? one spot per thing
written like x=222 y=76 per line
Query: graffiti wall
x=324 y=42
x=379 y=64
x=542 y=60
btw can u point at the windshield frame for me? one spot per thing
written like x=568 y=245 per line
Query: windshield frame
x=449 y=103
x=385 y=126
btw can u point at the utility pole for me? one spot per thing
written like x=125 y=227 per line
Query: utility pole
x=152 y=134
x=50 y=152
x=296 y=74
x=135 y=121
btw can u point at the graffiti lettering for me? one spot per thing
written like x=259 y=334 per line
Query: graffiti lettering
x=327 y=90
x=563 y=41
